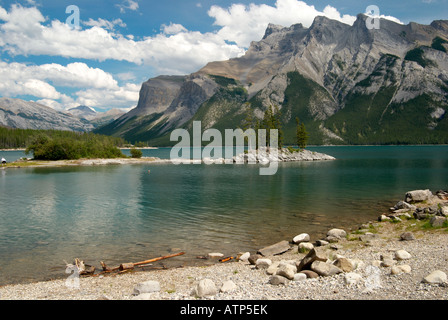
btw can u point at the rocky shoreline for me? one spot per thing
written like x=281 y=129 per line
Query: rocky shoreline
x=401 y=256
x=250 y=157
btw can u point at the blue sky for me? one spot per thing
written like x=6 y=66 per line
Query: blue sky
x=121 y=43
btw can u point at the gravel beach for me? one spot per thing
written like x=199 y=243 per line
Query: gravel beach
x=370 y=279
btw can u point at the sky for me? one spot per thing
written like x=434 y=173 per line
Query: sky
x=98 y=53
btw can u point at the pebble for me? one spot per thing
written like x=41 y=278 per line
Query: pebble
x=303 y=237
x=436 y=277
x=402 y=255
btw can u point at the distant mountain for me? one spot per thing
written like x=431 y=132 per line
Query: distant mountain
x=348 y=84
x=96 y=119
x=16 y=113
x=83 y=112
x=103 y=118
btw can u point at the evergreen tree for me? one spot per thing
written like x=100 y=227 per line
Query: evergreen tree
x=278 y=126
x=301 y=134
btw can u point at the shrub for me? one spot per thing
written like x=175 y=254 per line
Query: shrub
x=63 y=147
x=136 y=153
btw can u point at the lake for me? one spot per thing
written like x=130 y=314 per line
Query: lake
x=122 y=213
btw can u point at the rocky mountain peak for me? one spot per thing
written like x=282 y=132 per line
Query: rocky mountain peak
x=349 y=83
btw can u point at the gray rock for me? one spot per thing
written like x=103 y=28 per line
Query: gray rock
x=316 y=254
x=352 y=278
x=436 y=277
x=368 y=237
x=388 y=262
x=420 y=214
x=400 y=269
x=277 y=248
x=278 y=280
x=437 y=221
x=205 y=287
x=404 y=205
x=336 y=247
x=443 y=211
x=244 y=257
x=253 y=258
x=325 y=269
x=344 y=264
x=263 y=263
x=407 y=236
x=286 y=270
x=418 y=196
x=299 y=277
x=332 y=239
x=402 y=255
x=303 y=237
x=228 y=286
x=305 y=246
x=310 y=274
x=338 y=233
x=147 y=287
x=272 y=269
x=321 y=243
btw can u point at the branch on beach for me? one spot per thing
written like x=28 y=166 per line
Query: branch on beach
x=130 y=266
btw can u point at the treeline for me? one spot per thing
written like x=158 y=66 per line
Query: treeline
x=61 y=145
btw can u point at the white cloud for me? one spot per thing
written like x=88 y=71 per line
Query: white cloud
x=102 y=23
x=173 y=28
x=110 y=98
x=244 y=24
x=73 y=75
x=128 y=4
x=176 y=50
x=43 y=81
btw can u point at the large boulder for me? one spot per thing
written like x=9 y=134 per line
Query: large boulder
x=277 y=248
x=418 y=196
x=403 y=205
x=286 y=270
x=325 y=269
x=316 y=254
x=335 y=235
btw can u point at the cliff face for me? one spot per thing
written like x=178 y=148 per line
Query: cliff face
x=349 y=84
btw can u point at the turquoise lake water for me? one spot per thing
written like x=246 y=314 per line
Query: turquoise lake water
x=120 y=213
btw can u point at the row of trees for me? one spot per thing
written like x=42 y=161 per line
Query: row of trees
x=69 y=147
x=11 y=138
x=272 y=120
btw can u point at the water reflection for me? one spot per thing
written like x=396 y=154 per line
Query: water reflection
x=123 y=213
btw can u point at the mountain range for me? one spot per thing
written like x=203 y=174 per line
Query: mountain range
x=349 y=84
x=17 y=113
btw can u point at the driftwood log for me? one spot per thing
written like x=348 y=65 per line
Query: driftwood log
x=130 y=265
x=84 y=269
